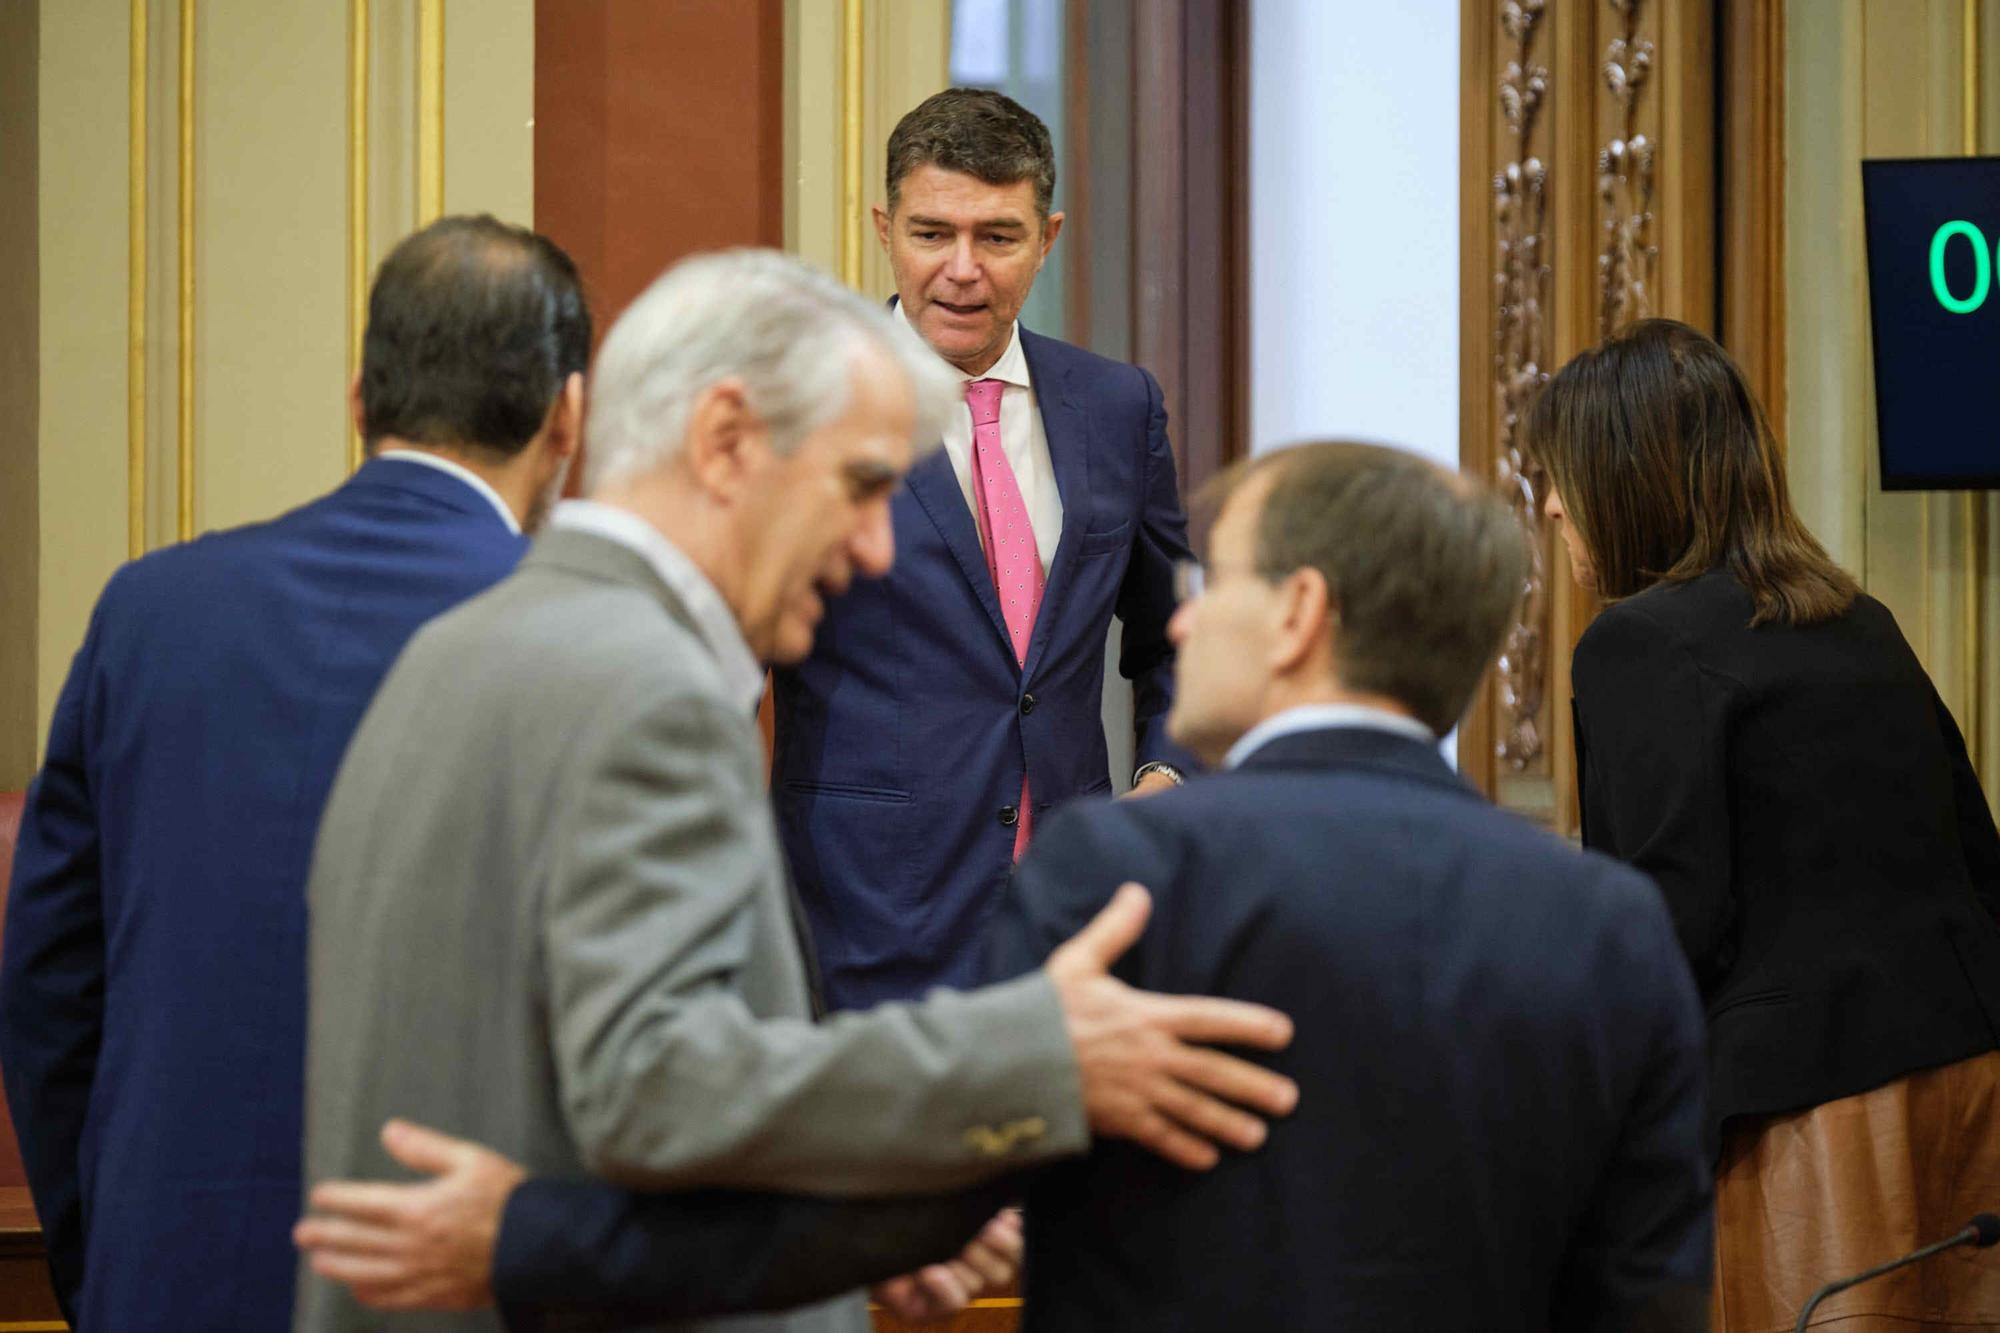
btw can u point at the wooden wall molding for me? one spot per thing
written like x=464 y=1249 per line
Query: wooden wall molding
x=1522 y=338
x=1590 y=199
x=1628 y=258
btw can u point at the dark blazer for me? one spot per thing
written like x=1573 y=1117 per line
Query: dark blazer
x=152 y=996
x=900 y=741
x=1498 y=1051
x=1803 y=800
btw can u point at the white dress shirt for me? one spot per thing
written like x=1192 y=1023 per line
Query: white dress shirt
x=1022 y=439
x=1319 y=717
x=742 y=676
x=464 y=474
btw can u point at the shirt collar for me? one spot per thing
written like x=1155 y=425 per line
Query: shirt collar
x=1320 y=717
x=463 y=473
x=1011 y=368
x=714 y=622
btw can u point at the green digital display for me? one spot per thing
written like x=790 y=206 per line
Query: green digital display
x=1933 y=243
x=1982 y=268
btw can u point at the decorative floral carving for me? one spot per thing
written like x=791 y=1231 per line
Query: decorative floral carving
x=1521 y=288
x=1628 y=260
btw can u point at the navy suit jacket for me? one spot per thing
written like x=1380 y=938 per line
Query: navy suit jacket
x=901 y=740
x=1499 y=1055
x=152 y=993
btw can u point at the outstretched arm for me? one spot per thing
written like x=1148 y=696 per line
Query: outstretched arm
x=581 y=1254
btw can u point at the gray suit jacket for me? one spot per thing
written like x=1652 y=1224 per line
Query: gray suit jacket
x=549 y=913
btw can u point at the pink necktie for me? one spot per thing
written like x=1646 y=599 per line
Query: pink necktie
x=1011 y=555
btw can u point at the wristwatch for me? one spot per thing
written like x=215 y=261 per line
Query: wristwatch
x=1168 y=771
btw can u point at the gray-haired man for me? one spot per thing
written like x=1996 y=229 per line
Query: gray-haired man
x=549 y=911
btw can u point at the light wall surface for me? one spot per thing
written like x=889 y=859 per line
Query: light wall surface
x=1872 y=79
x=270 y=291
x=1354 y=300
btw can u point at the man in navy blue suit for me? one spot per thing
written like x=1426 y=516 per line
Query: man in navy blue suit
x=950 y=704
x=152 y=994
x=1499 y=1048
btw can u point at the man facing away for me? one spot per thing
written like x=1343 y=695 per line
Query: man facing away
x=1500 y=1123
x=950 y=704
x=152 y=997
x=548 y=906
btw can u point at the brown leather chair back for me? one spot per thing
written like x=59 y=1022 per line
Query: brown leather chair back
x=11 y=803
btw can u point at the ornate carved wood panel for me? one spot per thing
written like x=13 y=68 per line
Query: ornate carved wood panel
x=1590 y=200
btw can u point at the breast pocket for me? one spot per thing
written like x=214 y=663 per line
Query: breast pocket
x=1102 y=543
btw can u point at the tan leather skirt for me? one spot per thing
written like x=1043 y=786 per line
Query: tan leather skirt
x=1805 y=1198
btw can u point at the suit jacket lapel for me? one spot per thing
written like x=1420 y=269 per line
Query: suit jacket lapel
x=935 y=487
x=1067 y=429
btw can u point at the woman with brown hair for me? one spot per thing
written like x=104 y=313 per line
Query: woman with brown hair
x=1754 y=732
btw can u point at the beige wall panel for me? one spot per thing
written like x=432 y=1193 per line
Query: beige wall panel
x=1831 y=381
x=812 y=131
x=392 y=126
x=906 y=48
x=81 y=133
x=1884 y=78
x=163 y=272
x=20 y=525
x=909 y=58
x=271 y=252
x=1985 y=663
x=1898 y=105
x=489 y=109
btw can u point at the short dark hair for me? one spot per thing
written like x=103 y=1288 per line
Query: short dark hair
x=473 y=328
x=1425 y=568
x=982 y=133
x=1668 y=469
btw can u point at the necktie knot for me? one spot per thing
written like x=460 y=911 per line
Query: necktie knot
x=983 y=398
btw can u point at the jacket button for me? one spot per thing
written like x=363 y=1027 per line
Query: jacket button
x=1027 y=704
x=1009 y=816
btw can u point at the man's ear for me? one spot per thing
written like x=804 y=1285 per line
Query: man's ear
x=881 y=215
x=357 y=413
x=1049 y=230
x=566 y=420
x=1307 y=617
x=721 y=435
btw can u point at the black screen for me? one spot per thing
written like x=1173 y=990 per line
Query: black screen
x=1934 y=292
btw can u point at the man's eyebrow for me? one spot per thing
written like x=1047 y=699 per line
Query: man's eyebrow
x=873 y=473
x=985 y=224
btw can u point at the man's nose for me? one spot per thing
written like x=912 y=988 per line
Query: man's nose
x=874 y=544
x=1177 y=624
x=962 y=266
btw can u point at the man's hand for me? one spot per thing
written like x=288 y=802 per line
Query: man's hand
x=940 y=1291
x=1152 y=784
x=1141 y=1081
x=421 y=1246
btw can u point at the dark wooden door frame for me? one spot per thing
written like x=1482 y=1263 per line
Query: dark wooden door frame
x=1189 y=224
